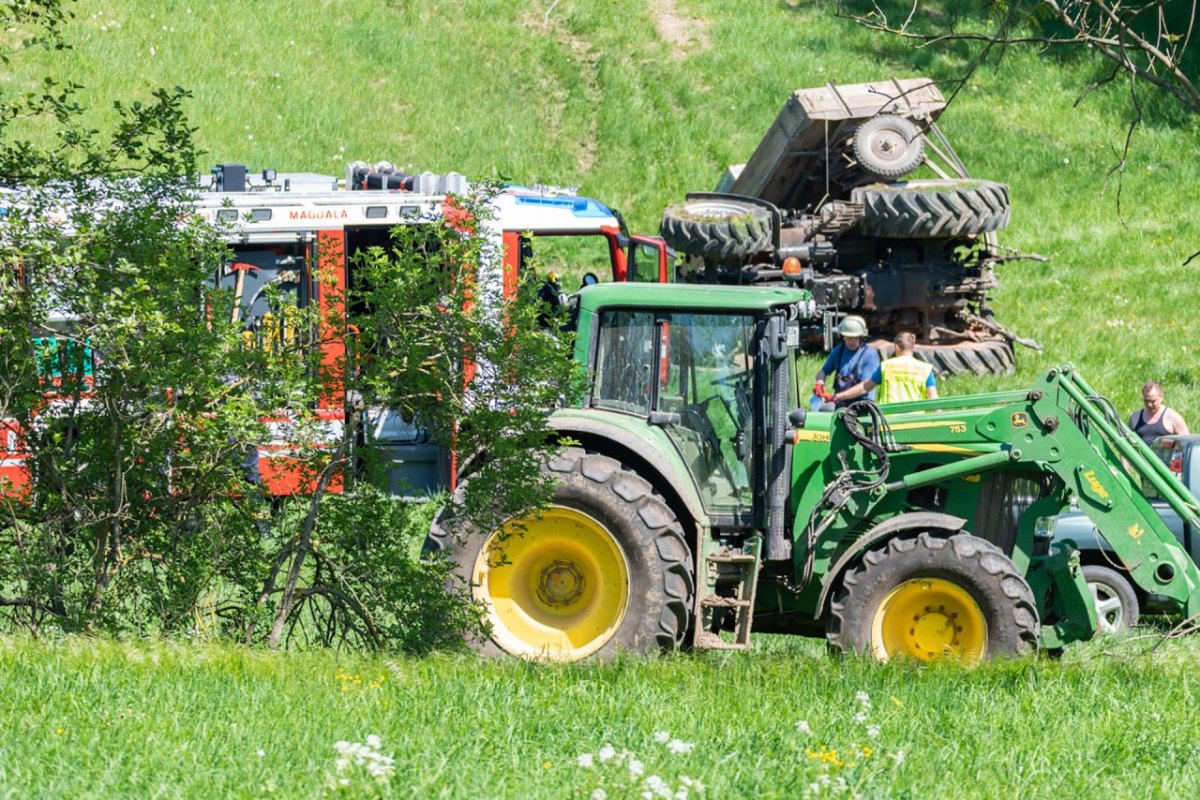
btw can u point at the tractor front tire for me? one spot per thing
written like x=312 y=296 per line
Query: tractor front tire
x=604 y=569
x=1116 y=601
x=926 y=598
x=933 y=209
x=717 y=230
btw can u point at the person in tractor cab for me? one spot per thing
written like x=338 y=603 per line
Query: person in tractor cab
x=550 y=298
x=1156 y=419
x=901 y=378
x=850 y=363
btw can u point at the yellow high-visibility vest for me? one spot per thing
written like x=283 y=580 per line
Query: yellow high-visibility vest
x=904 y=379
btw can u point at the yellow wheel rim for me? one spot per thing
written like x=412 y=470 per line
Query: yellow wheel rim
x=929 y=618
x=556 y=587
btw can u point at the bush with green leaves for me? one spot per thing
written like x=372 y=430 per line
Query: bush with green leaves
x=141 y=401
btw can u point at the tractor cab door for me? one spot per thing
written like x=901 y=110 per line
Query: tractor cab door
x=647 y=260
x=706 y=384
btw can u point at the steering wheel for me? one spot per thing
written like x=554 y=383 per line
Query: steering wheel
x=740 y=381
x=736 y=380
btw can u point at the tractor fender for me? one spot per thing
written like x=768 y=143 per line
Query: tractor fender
x=644 y=454
x=919 y=521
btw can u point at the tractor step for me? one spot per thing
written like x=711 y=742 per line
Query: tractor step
x=726 y=583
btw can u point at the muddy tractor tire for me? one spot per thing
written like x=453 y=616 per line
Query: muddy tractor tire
x=888 y=146
x=604 y=569
x=1116 y=601
x=935 y=209
x=720 y=230
x=927 y=598
x=989 y=357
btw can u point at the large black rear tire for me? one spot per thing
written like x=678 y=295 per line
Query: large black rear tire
x=720 y=230
x=929 y=597
x=605 y=569
x=936 y=209
x=989 y=357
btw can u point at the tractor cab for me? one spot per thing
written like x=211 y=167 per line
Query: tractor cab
x=709 y=368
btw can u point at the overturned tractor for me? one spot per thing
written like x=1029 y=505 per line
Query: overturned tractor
x=855 y=194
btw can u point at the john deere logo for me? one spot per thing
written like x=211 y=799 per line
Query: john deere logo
x=1135 y=531
x=1019 y=419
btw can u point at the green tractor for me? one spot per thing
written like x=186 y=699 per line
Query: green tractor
x=698 y=501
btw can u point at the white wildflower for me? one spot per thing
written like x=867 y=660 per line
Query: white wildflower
x=606 y=753
x=898 y=757
x=861 y=717
x=873 y=731
x=679 y=747
x=662 y=736
x=636 y=768
x=585 y=760
x=599 y=794
x=654 y=783
x=151 y=51
x=803 y=727
x=261 y=753
x=374 y=742
x=863 y=699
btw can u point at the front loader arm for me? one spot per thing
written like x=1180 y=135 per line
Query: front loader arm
x=1074 y=433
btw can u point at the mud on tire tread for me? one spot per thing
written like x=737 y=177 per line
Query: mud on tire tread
x=662 y=583
x=935 y=209
x=720 y=231
x=982 y=569
x=989 y=357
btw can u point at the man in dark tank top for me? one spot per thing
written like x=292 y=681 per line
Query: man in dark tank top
x=1155 y=419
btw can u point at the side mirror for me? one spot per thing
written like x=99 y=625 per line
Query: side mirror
x=589 y=279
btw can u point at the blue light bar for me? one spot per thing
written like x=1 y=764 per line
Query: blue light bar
x=578 y=206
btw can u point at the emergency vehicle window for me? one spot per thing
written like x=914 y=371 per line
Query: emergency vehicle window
x=267 y=282
x=569 y=257
x=644 y=266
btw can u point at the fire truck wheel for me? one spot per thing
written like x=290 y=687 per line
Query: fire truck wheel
x=720 y=230
x=933 y=209
x=1116 y=602
x=889 y=146
x=604 y=569
x=926 y=598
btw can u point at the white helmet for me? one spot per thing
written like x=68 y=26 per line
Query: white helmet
x=852 y=326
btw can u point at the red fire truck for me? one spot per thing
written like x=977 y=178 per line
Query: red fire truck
x=300 y=233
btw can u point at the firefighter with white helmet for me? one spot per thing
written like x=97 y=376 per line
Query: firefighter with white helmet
x=850 y=363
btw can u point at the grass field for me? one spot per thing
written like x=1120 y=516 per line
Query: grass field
x=637 y=102
x=87 y=718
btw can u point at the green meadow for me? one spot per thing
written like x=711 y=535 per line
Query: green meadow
x=637 y=102
x=96 y=718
